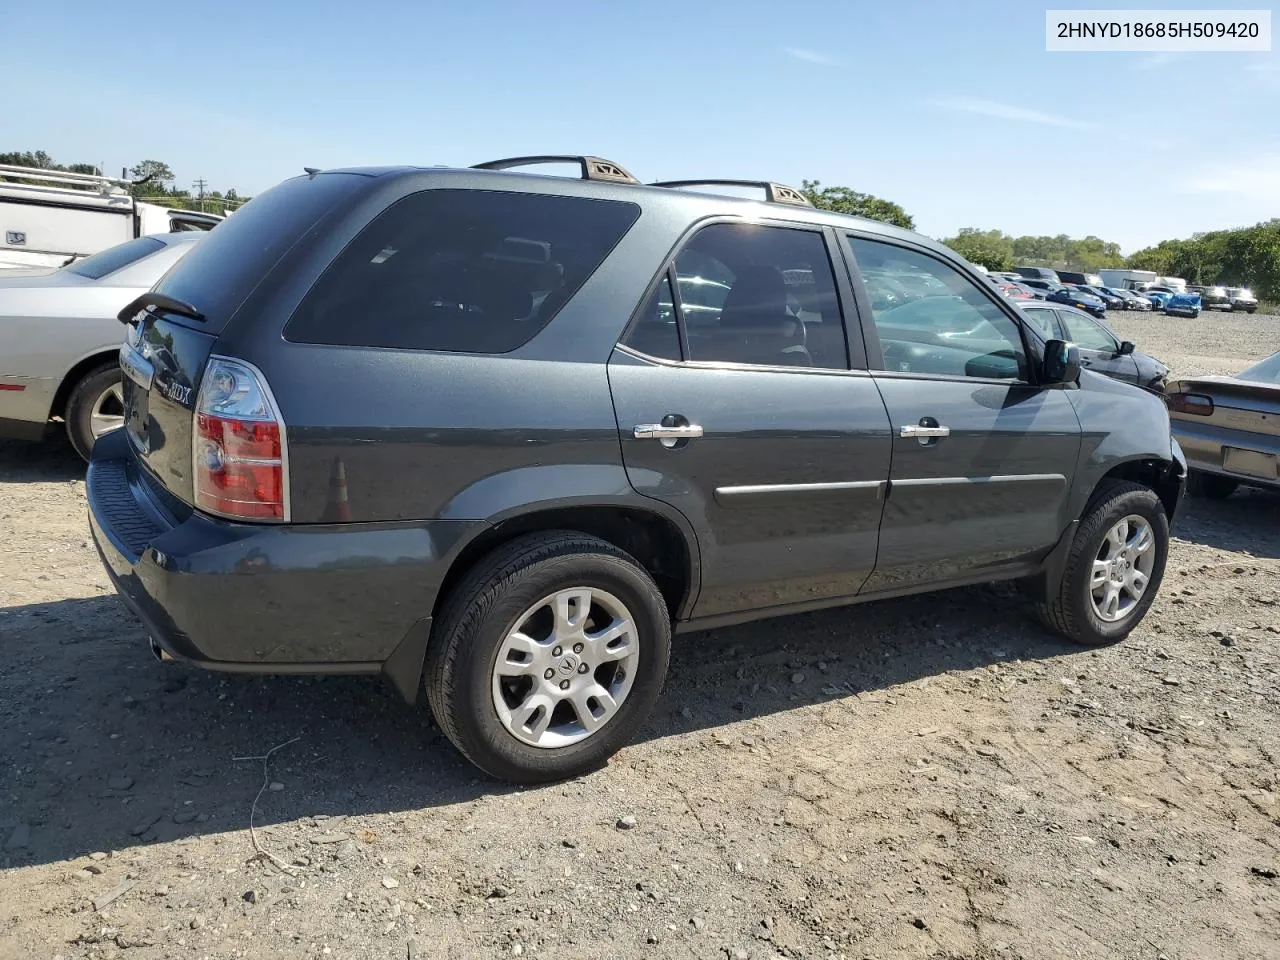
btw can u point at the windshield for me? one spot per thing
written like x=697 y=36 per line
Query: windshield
x=114 y=258
x=1268 y=371
x=1240 y=292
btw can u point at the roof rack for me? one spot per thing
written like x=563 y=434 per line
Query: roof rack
x=773 y=192
x=593 y=168
x=62 y=179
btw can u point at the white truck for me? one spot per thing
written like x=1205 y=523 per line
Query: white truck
x=50 y=217
x=1127 y=279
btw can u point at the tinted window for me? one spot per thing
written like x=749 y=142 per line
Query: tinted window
x=236 y=255
x=474 y=271
x=1083 y=332
x=113 y=258
x=654 y=331
x=760 y=295
x=949 y=325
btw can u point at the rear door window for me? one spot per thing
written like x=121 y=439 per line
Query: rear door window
x=749 y=294
x=472 y=271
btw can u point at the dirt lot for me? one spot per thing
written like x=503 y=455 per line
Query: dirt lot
x=933 y=777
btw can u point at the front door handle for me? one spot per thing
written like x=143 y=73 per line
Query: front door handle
x=928 y=431
x=660 y=431
x=922 y=432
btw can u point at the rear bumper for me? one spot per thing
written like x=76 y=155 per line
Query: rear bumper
x=342 y=598
x=1204 y=447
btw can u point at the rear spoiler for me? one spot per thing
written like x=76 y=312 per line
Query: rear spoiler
x=161 y=302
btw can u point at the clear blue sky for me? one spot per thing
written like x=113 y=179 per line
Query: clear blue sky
x=954 y=110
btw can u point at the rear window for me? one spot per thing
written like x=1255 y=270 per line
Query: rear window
x=113 y=258
x=473 y=271
x=225 y=266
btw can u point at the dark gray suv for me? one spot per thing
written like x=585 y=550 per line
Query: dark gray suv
x=460 y=427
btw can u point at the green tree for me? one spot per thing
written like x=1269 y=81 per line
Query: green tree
x=991 y=248
x=846 y=200
x=154 y=171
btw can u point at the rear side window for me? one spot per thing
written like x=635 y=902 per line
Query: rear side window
x=472 y=271
x=113 y=258
x=749 y=294
x=239 y=252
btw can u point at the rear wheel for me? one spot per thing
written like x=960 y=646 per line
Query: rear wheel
x=95 y=407
x=548 y=657
x=1211 y=486
x=1114 y=567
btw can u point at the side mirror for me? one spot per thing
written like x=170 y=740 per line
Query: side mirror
x=1126 y=348
x=1061 y=363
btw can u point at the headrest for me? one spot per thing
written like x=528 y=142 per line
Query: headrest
x=501 y=290
x=756 y=299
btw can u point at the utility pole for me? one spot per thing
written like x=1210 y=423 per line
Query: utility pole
x=200 y=185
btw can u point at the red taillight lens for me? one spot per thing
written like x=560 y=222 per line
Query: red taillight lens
x=238 y=449
x=1196 y=404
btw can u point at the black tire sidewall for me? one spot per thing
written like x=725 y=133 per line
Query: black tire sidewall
x=79 y=414
x=1104 y=515
x=485 y=740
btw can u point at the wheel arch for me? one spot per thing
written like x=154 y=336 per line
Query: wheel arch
x=661 y=542
x=1165 y=477
x=99 y=358
x=660 y=539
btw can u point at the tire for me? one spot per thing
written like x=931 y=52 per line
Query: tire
x=1072 y=612
x=84 y=399
x=1210 y=486
x=490 y=603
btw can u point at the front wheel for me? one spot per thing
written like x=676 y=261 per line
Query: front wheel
x=95 y=407
x=549 y=656
x=1114 y=568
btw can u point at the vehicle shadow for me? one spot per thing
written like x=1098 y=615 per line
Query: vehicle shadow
x=106 y=748
x=52 y=459
x=1247 y=521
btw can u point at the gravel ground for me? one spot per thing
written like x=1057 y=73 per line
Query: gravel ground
x=933 y=777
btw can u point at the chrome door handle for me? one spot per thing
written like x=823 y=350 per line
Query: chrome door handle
x=923 y=433
x=658 y=431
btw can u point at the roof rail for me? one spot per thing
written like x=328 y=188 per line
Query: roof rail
x=593 y=168
x=773 y=192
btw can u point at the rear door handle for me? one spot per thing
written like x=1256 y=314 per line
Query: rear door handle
x=923 y=433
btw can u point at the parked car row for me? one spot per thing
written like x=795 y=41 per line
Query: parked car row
x=1092 y=297
x=1226 y=298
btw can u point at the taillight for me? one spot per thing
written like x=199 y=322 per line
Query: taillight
x=1196 y=404
x=239 y=451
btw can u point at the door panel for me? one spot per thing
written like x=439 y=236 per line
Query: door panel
x=982 y=459
x=785 y=485
x=992 y=493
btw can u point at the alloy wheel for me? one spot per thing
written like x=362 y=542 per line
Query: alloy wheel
x=1122 y=568
x=107 y=413
x=566 y=667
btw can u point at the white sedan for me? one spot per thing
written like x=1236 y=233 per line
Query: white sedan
x=60 y=339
